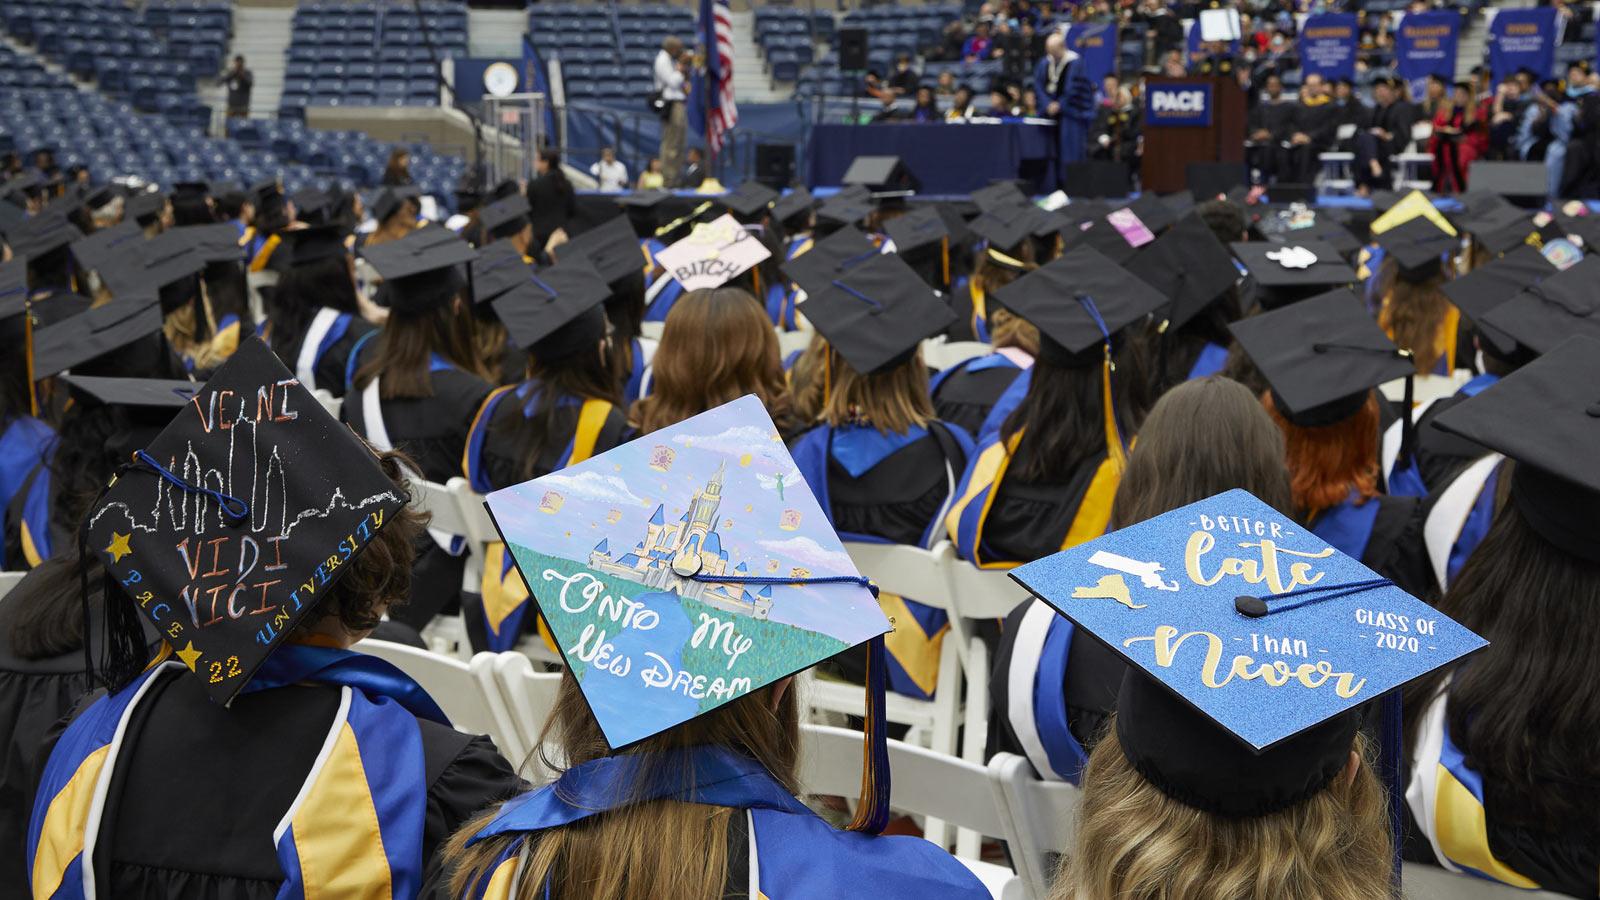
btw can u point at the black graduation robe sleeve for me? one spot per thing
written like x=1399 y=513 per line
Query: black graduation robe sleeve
x=472 y=776
x=1395 y=550
x=965 y=398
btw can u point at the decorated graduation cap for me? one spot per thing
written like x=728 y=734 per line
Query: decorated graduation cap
x=611 y=247
x=1543 y=315
x=749 y=202
x=1153 y=213
x=392 y=200
x=713 y=254
x=420 y=271
x=1293 y=270
x=1492 y=284
x=848 y=207
x=1322 y=357
x=1252 y=643
x=1405 y=208
x=1190 y=267
x=791 y=209
x=876 y=313
x=314 y=244
x=719 y=572
x=555 y=312
x=42 y=234
x=1546 y=416
x=506 y=217
x=238 y=519
x=1418 y=248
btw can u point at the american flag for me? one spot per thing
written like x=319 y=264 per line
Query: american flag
x=716 y=31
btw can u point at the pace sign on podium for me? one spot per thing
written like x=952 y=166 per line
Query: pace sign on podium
x=1178 y=105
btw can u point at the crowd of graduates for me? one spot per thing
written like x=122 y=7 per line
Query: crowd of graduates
x=1140 y=356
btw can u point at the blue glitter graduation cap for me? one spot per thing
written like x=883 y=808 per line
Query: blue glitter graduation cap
x=1247 y=616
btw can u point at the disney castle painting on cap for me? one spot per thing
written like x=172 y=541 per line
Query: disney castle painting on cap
x=626 y=555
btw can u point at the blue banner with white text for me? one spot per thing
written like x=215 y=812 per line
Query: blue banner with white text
x=1097 y=44
x=1522 y=39
x=1424 y=45
x=1327 y=45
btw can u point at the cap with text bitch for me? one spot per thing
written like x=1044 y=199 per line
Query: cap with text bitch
x=729 y=572
x=611 y=247
x=1321 y=356
x=555 y=311
x=1491 y=284
x=1190 y=267
x=421 y=270
x=1546 y=416
x=1418 y=248
x=253 y=469
x=1252 y=644
x=876 y=313
x=1543 y=315
x=712 y=254
x=1079 y=302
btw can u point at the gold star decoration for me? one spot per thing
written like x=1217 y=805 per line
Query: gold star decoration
x=118 y=548
x=189 y=655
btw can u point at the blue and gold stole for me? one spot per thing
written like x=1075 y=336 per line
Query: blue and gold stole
x=1212 y=358
x=1460 y=518
x=1036 y=694
x=505 y=595
x=980 y=484
x=659 y=299
x=974 y=364
x=793 y=853
x=781 y=298
x=34 y=526
x=1348 y=526
x=356 y=824
x=914 y=644
x=24 y=445
x=980 y=307
x=1446 y=800
x=259 y=250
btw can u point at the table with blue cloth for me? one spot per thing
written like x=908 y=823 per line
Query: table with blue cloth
x=944 y=158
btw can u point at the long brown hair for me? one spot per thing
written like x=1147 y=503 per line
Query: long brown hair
x=579 y=376
x=1412 y=315
x=1009 y=330
x=658 y=848
x=1135 y=843
x=405 y=347
x=1327 y=462
x=894 y=399
x=1202 y=437
x=1525 y=710
x=808 y=380
x=717 y=346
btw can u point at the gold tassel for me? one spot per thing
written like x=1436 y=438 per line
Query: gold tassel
x=27 y=341
x=1114 y=447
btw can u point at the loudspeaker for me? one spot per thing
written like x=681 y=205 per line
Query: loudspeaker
x=880 y=173
x=775 y=165
x=852 y=49
x=1097 y=178
x=1513 y=180
x=1208 y=179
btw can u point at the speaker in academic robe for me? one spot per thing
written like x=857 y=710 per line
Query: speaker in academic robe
x=881 y=173
x=1097 y=178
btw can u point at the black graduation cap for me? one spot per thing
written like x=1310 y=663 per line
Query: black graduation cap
x=11 y=218
x=611 y=247
x=1321 y=356
x=309 y=245
x=1103 y=237
x=255 y=460
x=100 y=247
x=392 y=199
x=1005 y=227
x=792 y=205
x=848 y=207
x=21 y=184
x=1179 y=204
x=214 y=243
x=134 y=393
x=506 y=187
x=998 y=195
x=1296 y=264
x=1418 y=247
x=876 y=313
x=498 y=268
x=13 y=287
x=1499 y=227
x=749 y=201
x=644 y=210
x=94 y=333
x=147 y=267
x=506 y=217
x=1070 y=298
x=419 y=270
x=1546 y=416
x=1545 y=314
x=1190 y=267
x=42 y=233
x=312 y=205
x=828 y=258
x=145 y=207
x=1156 y=215
x=104 y=194
x=918 y=230
x=556 y=311
x=1492 y=284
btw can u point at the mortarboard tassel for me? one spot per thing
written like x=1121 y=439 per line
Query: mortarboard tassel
x=1116 y=447
x=944 y=259
x=673 y=225
x=27 y=343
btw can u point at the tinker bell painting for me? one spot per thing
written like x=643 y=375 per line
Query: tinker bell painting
x=623 y=553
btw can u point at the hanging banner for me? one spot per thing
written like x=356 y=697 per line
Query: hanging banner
x=1522 y=39
x=1426 y=45
x=1097 y=44
x=1327 y=45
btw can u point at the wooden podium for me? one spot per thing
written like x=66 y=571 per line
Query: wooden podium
x=1168 y=149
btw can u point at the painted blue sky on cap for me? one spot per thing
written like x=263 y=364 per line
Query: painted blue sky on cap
x=601 y=543
x=1162 y=594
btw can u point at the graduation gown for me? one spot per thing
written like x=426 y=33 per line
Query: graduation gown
x=245 y=766
x=31 y=534
x=24 y=444
x=964 y=394
x=1385 y=533
x=494 y=459
x=888 y=488
x=320 y=356
x=970 y=303
x=1440 y=454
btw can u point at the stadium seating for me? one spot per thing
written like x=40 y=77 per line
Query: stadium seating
x=606 y=50
x=369 y=54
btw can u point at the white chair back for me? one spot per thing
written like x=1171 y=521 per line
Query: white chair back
x=651 y=330
x=1419 y=881
x=790 y=341
x=1042 y=819
x=981 y=593
x=530 y=697
x=1346 y=131
x=448 y=680
x=507 y=731
x=944 y=354
x=9 y=580
x=329 y=402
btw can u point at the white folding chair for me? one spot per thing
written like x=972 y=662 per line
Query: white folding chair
x=329 y=402
x=448 y=680
x=975 y=595
x=507 y=731
x=923 y=782
x=449 y=514
x=9 y=580
x=1419 y=881
x=1335 y=175
x=1041 y=819
x=940 y=354
x=1415 y=166
x=254 y=282
x=651 y=330
x=529 y=697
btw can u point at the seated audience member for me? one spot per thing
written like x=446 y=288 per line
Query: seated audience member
x=1271 y=126
x=314 y=321
x=609 y=172
x=925 y=109
x=946 y=85
x=960 y=106
x=903 y=80
x=1202 y=438
x=978 y=46
x=1006 y=226
x=1314 y=131
x=651 y=179
x=1195 y=271
x=355 y=776
x=1452 y=144
x=1388 y=134
x=25 y=436
x=1505 y=743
